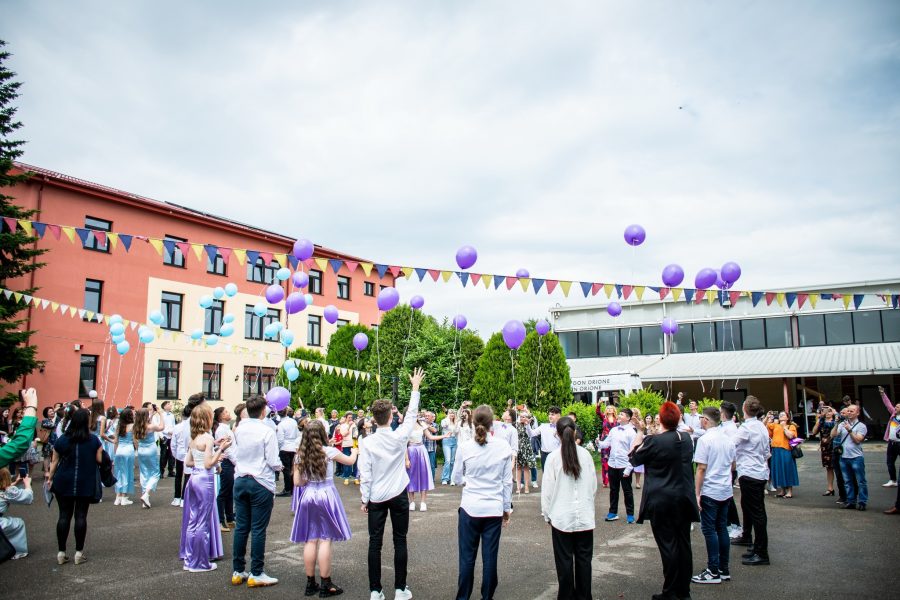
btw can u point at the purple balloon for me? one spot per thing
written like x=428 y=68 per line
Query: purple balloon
x=720 y=283
x=466 y=257
x=614 y=309
x=388 y=299
x=331 y=314
x=513 y=334
x=417 y=302
x=295 y=303
x=360 y=341
x=731 y=272
x=672 y=275
x=542 y=327
x=669 y=326
x=274 y=294
x=705 y=278
x=522 y=273
x=303 y=249
x=459 y=321
x=635 y=235
x=278 y=398
x=300 y=279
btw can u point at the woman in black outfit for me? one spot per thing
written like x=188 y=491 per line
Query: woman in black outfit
x=75 y=481
x=668 y=500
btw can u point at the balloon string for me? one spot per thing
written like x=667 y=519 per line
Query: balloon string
x=408 y=335
x=457 y=356
x=118 y=372
x=378 y=358
x=537 y=375
x=512 y=364
x=355 y=380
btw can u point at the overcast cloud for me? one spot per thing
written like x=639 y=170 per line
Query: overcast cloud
x=762 y=132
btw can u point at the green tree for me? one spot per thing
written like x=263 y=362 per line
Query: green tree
x=345 y=393
x=18 y=252
x=307 y=387
x=493 y=382
x=648 y=401
x=542 y=373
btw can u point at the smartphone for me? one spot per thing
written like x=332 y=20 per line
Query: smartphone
x=23 y=469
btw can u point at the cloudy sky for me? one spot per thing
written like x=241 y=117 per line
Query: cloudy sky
x=762 y=132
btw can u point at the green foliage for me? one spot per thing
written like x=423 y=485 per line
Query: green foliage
x=708 y=402
x=493 y=384
x=344 y=393
x=542 y=374
x=586 y=419
x=305 y=389
x=647 y=401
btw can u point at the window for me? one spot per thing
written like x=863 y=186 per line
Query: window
x=890 y=323
x=630 y=341
x=839 y=328
x=728 y=334
x=683 y=340
x=315 y=282
x=753 y=334
x=369 y=288
x=651 y=340
x=167 y=379
x=91 y=242
x=170 y=307
x=258 y=381
x=93 y=294
x=608 y=342
x=812 y=330
x=212 y=381
x=212 y=318
x=704 y=337
x=175 y=258
x=587 y=344
x=778 y=332
x=341 y=322
x=216 y=267
x=343 y=287
x=867 y=327
x=254 y=326
x=87 y=379
x=260 y=273
x=314 y=331
x=569 y=342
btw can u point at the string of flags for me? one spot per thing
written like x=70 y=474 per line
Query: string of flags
x=71 y=311
x=204 y=251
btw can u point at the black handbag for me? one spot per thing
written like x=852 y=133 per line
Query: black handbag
x=796 y=452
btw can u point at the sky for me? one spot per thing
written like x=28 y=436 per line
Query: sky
x=766 y=133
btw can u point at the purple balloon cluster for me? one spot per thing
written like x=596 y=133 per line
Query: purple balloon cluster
x=723 y=279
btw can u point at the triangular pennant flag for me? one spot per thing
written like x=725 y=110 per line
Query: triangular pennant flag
x=253 y=257
x=551 y=285
x=858 y=299
x=497 y=279
x=63 y=308
x=70 y=233
x=639 y=290
x=72 y=311
x=801 y=300
x=101 y=237
x=198 y=252
x=663 y=292
x=434 y=274
x=113 y=239
x=395 y=270
x=688 y=294
x=351 y=265
x=585 y=288
x=463 y=276
x=608 y=289
x=7 y=293
x=45 y=304
x=510 y=281
x=710 y=298
x=676 y=293
x=596 y=288
x=407 y=271
x=239 y=254
x=11 y=223
x=895 y=300
x=366 y=267
x=90 y=315
x=779 y=298
x=487 y=280
x=476 y=277
x=813 y=299
x=336 y=264
x=81 y=312
x=292 y=260
x=266 y=256
x=790 y=297
x=169 y=246
x=55 y=230
x=157 y=245
x=565 y=285
x=18 y=296
x=770 y=296
x=126 y=240
x=26 y=225
x=382 y=270
x=755 y=297
x=626 y=291
x=618 y=290
x=826 y=296
x=103 y=318
x=446 y=275
x=733 y=296
x=184 y=247
x=34 y=300
x=54 y=306
x=847 y=300
x=211 y=253
x=524 y=282
x=82 y=234
x=421 y=273
x=701 y=294
x=40 y=228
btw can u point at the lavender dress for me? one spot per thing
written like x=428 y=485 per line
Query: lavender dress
x=420 y=477
x=320 y=513
x=201 y=540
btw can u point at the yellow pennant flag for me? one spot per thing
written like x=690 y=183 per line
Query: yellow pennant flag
x=639 y=290
x=322 y=262
x=26 y=225
x=70 y=233
x=36 y=301
x=446 y=275
x=17 y=296
x=676 y=293
x=813 y=299
x=608 y=289
x=711 y=297
x=366 y=267
x=106 y=318
x=198 y=251
x=113 y=239
x=779 y=298
x=157 y=245
x=524 y=282
x=566 y=286
x=407 y=271
x=240 y=255
x=847 y=299
x=90 y=315
x=487 y=280
x=54 y=306
x=281 y=258
x=72 y=311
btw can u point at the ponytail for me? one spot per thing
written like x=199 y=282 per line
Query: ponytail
x=484 y=420
x=565 y=429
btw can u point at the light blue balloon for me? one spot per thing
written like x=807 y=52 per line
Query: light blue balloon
x=123 y=347
x=196 y=334
x=289 y=364
x=146 y=336
x=156 y=317
x=116 y=339
x=271 y=330
x=309 y=299
x=228 y=319
x=231 y=289
x=115 y=319
x=226 y=330
x=287 y=337
x=293 y=374
x=278 y=325
x=206 y=301
x=212 y=340
x=219 y=293
x=117 y=328
x=260 y=309
x=283 y=274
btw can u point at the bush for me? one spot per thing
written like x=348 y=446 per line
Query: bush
x=586 y=419
x=647 y=401
x=708 y=402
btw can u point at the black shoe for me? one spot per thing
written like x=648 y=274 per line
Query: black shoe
x=171 y=474
x=748 y=554
x=742 y=542
x=312 y=588
x=282 y=494
x=861 y=507
x=328 y=589
x=850 y=506
x=724 y=574
x=755 y=560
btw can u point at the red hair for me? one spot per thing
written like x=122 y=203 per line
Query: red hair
x=669 y=415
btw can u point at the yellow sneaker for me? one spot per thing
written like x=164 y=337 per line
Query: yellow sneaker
x=261 y=580
x=237 y=578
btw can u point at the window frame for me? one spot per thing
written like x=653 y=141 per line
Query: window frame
x=810 y=319
x=165 y=308
x=314 y=324
x=91 y=242
x=343 y=280
x=176 y=252
x=209 y=317
x=167 y=395
x=316 y=279
x=369 y=288
x=209 y=377
x=99 y=293
x=81 y=379
x=259 y=323
x=861 y=315
x=263 y=375
x=212 y=266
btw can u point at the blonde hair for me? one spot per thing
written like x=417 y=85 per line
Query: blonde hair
x=5 y=479
x=141 y=419
x=201 y=420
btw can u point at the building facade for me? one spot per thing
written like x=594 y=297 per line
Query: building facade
x=119 y=253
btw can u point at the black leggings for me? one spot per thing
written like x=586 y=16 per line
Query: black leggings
x=69 y=505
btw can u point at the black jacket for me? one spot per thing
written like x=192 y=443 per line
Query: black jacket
x=668 y=476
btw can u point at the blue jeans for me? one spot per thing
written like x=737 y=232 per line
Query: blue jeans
x=432 y=456
x=471 y=531
x=449 y=446
x=855 y=468
x=348 y=471
x=252 y=510
x=714 y=525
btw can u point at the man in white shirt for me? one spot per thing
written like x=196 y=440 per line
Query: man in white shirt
x=729 y=428
x=547 y=432
x=225 y=497
x=255 y=464
x=383 y=481
x=712 y=483
x=181 y=439
x=690 y=422
x=752 y=450
x=166 y=460
x=287 y=435
x=619 y=443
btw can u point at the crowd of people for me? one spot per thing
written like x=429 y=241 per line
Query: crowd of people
x=226 y=468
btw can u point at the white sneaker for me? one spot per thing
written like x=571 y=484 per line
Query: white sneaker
x=176 y=502
x=452 y=484
x=261 y=580
x=890 y=484
x=212 y=567
x=404 y=594
x=412 y=506
x=61 y=558
x=19 y=555
x=422 y=507
x=534 y=484
x=118 y=501
x=145 y=499
x=181 y=503
x=376 y=595
x=125 y=502
x=239 y=577
x=736 y=532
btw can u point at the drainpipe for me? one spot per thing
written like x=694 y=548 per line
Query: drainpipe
x=40 y=202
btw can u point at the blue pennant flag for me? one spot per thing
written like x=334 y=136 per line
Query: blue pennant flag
x=585 y=288
x=619 y=290
x=83 y=234
x=169 y=246
x=755 y=297
x=538 y=284
x=826 y=296
x=895 y=300
x=790 y=297
x=252 y=257
x=39 y=228
x=126 y=240
x=498 y=279
x=463 y=276
x=211 y=252
x=293 y=261
x=382 y=269
x=421 y=273
x=857 y=299
x=689 y=294
x=336 y=264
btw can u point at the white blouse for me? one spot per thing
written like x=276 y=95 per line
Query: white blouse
x=568 y=503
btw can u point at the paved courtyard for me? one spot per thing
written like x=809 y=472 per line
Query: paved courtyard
x=817 y=550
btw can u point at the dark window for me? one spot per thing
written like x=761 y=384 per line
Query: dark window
x=258 y=381
x=341 y=322
x=728 y=334
x=683 y=340
x=91 y=242
x=704 y=337
x=630 y=341
x=778 y=332
x=216 y=267
x=314 y=331
x=212 y=381
x=167 y=379
x=93 y=295
x=255 y=326
x=867 y=327
x=315 y=282
x=176 y=257
x=587 y=344
x=753 y=334
x=812 y=330
x=369 y=288
x=212 y=320
x=260 y=273
x=569 y=342
x=87 y=379
x=651 y=340
x=170 y=307
x=839 y=328
x=608 y=342
x=343 y=287
x=890 y=322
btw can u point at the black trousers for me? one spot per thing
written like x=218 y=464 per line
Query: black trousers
x=672 y=533
x=287 y=462
x=733 y=517
x=166 y=459
x=398 y=508
x=839 y=477
x=225 y=499
x=753 y=505
x=893 y=451
x=572 y=553
x=179 y=475
x=70 y=506
x=472 y=532
x=617 y=480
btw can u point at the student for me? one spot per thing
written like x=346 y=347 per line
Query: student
x=547 y=433
x=14 y=527
x=619 y=443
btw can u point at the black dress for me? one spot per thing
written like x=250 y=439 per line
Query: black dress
x=77 y=473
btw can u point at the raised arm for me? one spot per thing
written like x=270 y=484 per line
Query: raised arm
x=887 y=401
x=364 y=465
x=18 y=444
x=413 y=409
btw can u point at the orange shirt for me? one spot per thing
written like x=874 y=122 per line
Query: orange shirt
x=779 y=440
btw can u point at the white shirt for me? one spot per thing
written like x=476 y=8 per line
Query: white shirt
x=549 y=439
x=382 y=458
x=168 y=425
x=716 y=451
x=752 y=450
x=692 y=421
x=288 y=435
x=507 y=433
x=465 y=433
x=485 y=471
x=256 y=452
x=619 y=443
x=729 y=428
x=155 y=420
x=568 y=503
x=450 y=428
x=224 y=431
x=181 y=439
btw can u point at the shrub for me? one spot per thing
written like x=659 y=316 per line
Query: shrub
x=586 y=419
x=647 y=401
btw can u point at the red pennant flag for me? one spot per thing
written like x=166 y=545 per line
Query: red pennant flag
x=55 y=230
x=626 y=291
x=309 y=262
x=225 y=253
x=769 y=297
x=701 y=294
x=183 y=246
x=663 y=292
x=511 y=281
x=351 y=265
x=733 y=296
x=11 y=223
x=266 y=256
x=801 y=298
x=395 y=271
x=837 y=296
x=475 y=277
x=551 y=285
x=435 y=274
x=101 y=237
x=596 y=288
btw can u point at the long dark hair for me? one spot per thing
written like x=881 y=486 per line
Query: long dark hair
x=565 y=429
x=311 y=453
x=126 y=418
x=484 y=420
x=97 y=412
x=77 y=429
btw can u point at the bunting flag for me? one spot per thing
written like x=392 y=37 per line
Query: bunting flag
x=813 y=299
x=801 y=300
x=755 y=297
x=790 y=297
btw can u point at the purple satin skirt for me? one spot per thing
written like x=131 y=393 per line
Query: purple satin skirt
x=201 y=540
x=420 y=477
x=320 y=514
x=295 y=498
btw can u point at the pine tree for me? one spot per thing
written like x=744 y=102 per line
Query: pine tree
x=542 y=378
x=17 y=249
x=493 y=381
x=343 y=393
